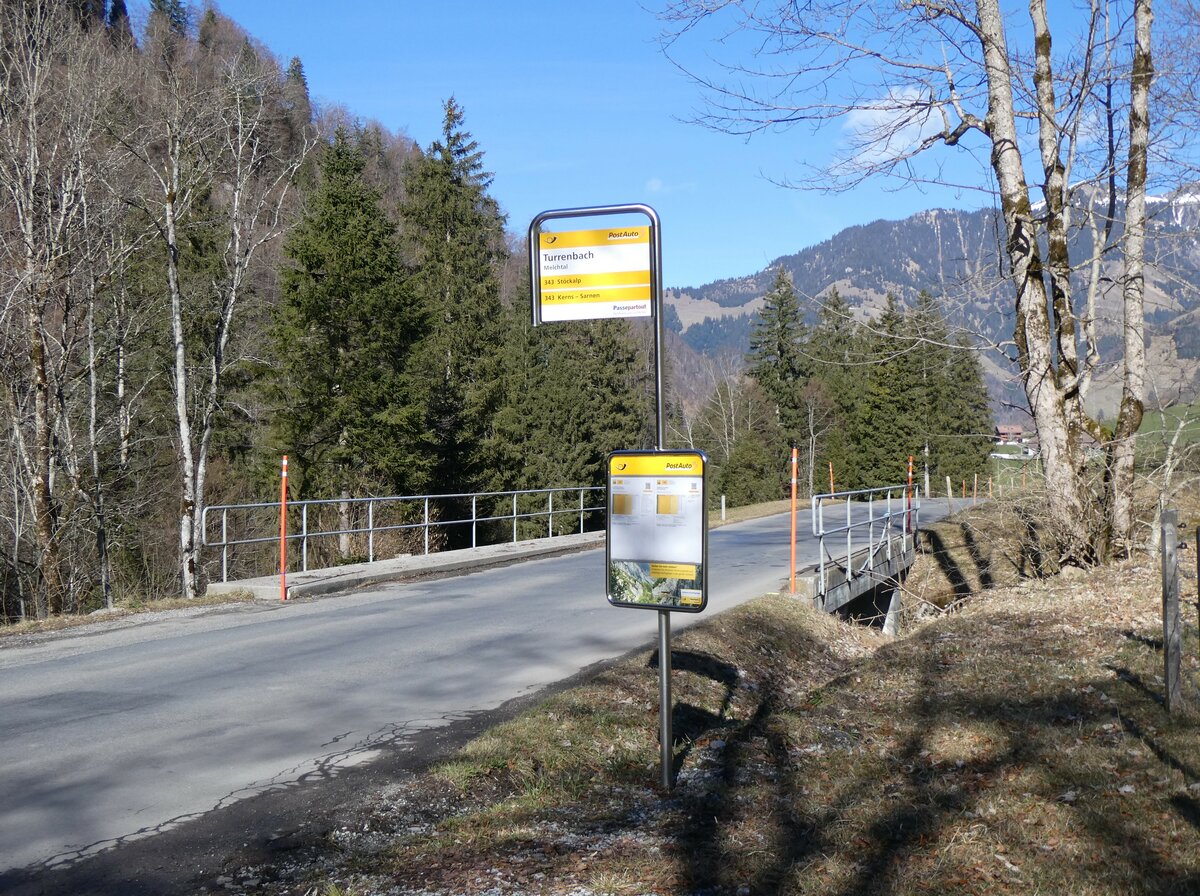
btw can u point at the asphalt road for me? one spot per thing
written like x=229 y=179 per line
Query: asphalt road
x=110 y=737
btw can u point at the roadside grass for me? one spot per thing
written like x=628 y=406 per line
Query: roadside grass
x=979 y=549
x=1015 y=744
x=751 y=512
x=123 y=609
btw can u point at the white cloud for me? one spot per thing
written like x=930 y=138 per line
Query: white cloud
x=657 y=186
x=891 y=127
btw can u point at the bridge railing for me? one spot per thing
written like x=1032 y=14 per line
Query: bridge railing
x=873 y=525
x=370 y=527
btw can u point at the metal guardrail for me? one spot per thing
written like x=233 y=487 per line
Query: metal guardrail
x=892 y=515
x=401 y=506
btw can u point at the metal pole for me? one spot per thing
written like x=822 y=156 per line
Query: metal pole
x=1172 y=638
x=550 y=515
x=849 y=537
x=871 y=522
x=514 y=517
x=581 y=511
x=426 y=525
x=887 y=526
x=666 y=737
x=472 y=521
x=283 y=531
x=909 y=496
x=664 y=616
x=819 y=531
x=370 y=531
x=656 y=296
x=224 y=545
x=304 y=537
x=792 y=564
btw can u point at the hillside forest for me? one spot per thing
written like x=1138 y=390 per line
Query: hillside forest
x=203 y=272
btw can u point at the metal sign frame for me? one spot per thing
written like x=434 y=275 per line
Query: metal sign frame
x=665 y=736
x=656 y=291
x=655 y=259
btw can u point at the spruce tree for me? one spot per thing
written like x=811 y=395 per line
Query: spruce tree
x=883 y=430
x=775 y=359
x=348 y=414
x=963 y=416
x=835 y=349
x=755 y=471
x=926 y=330
x=297 y=106
x=89 y=13
x=206 y=34
x=454 y=231
x=570 y=394
x=173 y=12
x=120 y=32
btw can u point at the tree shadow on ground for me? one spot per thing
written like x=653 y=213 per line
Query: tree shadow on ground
x=982 y=561
x=690 y=723
x=863 y=832
x=931 y=543
x=1034 y=559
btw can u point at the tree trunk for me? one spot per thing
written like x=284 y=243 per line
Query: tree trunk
x=101 y=522
x=1061 y=451
x=1120 y=450
x=189 y=553
x=45 y=509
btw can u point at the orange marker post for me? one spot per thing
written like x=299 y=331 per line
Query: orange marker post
x=793 y=566
x=283 y=532
x=831 y=488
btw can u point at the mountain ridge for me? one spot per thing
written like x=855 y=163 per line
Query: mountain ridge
x=957 y=256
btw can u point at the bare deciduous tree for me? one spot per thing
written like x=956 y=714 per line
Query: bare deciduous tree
x=206 y=141
x=1067 y=109
x=50 y=100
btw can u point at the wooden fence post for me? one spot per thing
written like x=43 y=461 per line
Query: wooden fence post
x=1172 y=642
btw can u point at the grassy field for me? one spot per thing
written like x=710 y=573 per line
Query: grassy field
x=1159 y=427
x=1017 y=744
x=1158 y=430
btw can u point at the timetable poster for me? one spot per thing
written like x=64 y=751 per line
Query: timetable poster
x=657 y=530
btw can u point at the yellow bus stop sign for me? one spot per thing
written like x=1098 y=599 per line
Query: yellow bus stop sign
x=593 y=274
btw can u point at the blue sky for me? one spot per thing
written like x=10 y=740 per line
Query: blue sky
x=574 y=105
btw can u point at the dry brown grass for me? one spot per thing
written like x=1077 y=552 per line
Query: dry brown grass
x=61 y=623
x=749 y=512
